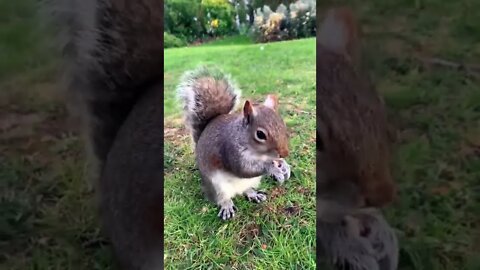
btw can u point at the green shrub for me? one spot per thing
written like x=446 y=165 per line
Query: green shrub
x=218 y=17
x=296 y=21
x=183 y=19
x=302 y=19
x=196 y=19
x=171 y=41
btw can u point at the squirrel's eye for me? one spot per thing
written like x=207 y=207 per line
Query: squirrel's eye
x=261 y=136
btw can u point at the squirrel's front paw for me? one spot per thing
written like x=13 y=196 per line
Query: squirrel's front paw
x=227 y=210
x=280 y=170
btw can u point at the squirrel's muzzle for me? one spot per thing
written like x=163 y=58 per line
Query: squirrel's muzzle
x=283 y=152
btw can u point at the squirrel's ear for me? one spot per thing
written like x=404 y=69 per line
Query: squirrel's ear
x=248 y=110
x=271 y=102
x=340 y=31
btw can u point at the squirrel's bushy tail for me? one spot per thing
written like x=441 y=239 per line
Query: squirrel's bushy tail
x=206 y=93
x=112 y=53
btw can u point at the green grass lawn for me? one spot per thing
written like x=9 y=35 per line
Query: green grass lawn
x=47 y=216
x=277 y=234
x=232 y=40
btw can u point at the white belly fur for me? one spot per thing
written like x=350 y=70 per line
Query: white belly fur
x=228 y=186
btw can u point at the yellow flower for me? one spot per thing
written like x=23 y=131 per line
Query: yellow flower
x=214 y=23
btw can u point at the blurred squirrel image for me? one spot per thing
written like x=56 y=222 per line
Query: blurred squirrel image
x=353 y=154
x=233 y=150
x=113 y=74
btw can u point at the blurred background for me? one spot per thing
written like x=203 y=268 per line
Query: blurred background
x=194 y=22
x=424 y=57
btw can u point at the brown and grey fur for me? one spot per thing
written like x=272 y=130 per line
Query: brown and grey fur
x=353 y=154
x=230 y=160
x=351 y=116
x=114 y=78
x=109 y=48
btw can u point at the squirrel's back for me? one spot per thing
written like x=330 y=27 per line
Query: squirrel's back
x=206 y=93
x=351 y=116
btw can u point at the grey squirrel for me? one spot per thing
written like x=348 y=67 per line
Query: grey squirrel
x=353 y=154
x=113 y=75
x=233 y=150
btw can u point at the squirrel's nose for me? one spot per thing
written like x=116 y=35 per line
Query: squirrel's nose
x=282 y=152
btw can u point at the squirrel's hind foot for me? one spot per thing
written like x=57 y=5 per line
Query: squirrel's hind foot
x=227 y=210
x=255 y=196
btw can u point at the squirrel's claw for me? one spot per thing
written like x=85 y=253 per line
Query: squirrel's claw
x=227 y=211
x=256 y=196
x=286 y=171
